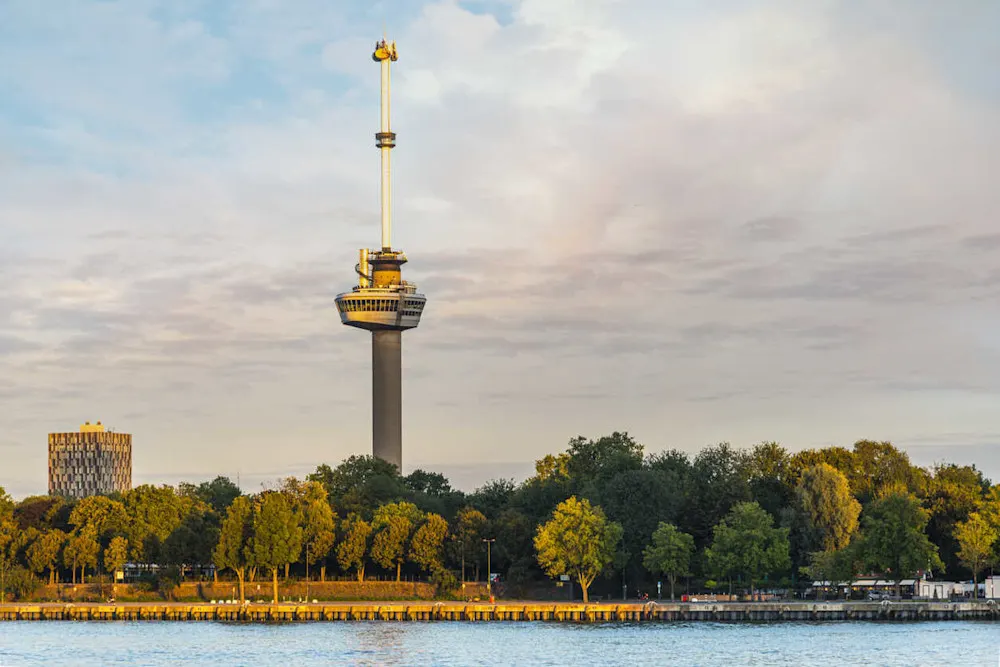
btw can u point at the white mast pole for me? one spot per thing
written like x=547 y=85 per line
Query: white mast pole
x=384 y=150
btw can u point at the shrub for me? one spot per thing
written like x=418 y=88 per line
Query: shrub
x=446 y=583
x=21 y=583
x=167 y=580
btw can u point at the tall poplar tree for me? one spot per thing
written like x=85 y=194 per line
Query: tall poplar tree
x=115 y=557
x=277 y=535
x=318 y=525
x=233 y=549
x=830 y=510
x=354 y=546
x=389 y=545
x=82 y=549
x=467 y=532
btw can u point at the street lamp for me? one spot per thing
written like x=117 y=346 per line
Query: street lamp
x=489 y=577
x=307 y=572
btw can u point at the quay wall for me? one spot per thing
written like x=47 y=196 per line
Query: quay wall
x=510 y=611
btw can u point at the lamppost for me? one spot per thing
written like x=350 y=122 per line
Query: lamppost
x=307 y=572
x=489 y=576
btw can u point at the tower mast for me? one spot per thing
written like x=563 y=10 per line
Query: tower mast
x=386 y=138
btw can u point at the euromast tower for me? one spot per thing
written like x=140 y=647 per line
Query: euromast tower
x=382 y=302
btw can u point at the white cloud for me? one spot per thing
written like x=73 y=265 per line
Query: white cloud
x=741 y=222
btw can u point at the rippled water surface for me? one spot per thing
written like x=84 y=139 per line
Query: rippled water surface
x=51 y=643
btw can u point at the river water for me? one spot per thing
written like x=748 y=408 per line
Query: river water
x=155 y=644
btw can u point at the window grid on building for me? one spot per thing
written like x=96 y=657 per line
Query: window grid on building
x=86 y=464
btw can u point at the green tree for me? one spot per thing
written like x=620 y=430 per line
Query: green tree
x=389 y=544
x=115 y=557
x=233 y=550
x=746 y=543
x=952 y=494
x=670 y=553
x=605 y=457
x=894 y=538
x=360 y=484
x=770 y=477
x=578 y=540
x=407 y=510
x=431 y=483
x=393 y=525
x=153 y=513
x=218 y=494
x=6 y=504
x=277 y=535
x=295 y=491
x=834 y=566
x=718 y=480
x=44 y=553
x=552 y=467
x=192 y=542
x=880 y=469
x=493 y=497
x=99 y=513
x=80 y=551
x=8 y=543
x=427 y=544
x=990 y=507
x=42 y=513
x=319 y=525
x=354 y=546
x=466 y=535
x=976 y=538
x=830 y=511
x=659 y=493
x=840 y=458
x=514 y=551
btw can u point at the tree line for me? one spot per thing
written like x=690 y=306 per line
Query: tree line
x=602 y=512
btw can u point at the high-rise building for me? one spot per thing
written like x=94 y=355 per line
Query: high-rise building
x=383 y=302
x=89 y=462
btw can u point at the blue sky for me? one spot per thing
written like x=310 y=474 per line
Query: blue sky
x=738 y=221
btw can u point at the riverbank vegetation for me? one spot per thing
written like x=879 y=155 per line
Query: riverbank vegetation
x=602 y=512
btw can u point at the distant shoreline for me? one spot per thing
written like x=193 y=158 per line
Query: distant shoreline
x=983 y=610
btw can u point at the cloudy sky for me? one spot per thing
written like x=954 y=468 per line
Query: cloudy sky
x=693 y=221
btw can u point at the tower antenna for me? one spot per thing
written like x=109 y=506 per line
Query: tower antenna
x=385 y=139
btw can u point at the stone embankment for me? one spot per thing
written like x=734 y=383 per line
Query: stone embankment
x=509 y=611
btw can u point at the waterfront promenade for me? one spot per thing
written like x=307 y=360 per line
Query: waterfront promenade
x=507 y=611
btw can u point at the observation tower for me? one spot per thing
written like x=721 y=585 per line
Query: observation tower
x=382 y=302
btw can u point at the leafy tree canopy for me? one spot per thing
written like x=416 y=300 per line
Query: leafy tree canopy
x=669 y=553
x=895 y=541
x=746 y=544
x=578 y=540
x=829 y=511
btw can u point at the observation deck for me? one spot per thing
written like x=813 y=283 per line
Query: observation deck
x=376 y=308
x=381 y=300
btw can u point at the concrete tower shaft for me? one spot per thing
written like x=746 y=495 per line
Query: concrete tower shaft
x=387 y=396
x=382 y=302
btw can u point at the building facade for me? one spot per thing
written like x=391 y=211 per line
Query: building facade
x=89 y=462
